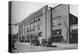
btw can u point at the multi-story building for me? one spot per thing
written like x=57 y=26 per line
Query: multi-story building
x=52 y=24
x=34 y=24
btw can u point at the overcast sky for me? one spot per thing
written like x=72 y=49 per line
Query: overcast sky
x=20 y=10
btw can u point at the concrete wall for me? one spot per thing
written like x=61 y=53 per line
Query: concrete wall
x=48 y=22
x=25 y=24
x=60 y=15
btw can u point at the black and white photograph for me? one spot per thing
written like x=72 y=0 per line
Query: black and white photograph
x=42 y=26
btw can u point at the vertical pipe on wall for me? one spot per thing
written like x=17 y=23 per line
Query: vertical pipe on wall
x=51 y=19
x=69 y=22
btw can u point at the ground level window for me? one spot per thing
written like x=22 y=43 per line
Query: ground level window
x=56 y=32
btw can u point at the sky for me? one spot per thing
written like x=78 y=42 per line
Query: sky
x=20 y=11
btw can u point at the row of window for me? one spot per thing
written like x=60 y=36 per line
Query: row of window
x=32 y=28
x=37 y=20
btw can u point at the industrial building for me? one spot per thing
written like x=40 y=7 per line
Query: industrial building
x=52 y=24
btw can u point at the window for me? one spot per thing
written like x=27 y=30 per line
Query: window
x=32 y=22
x=59 y=24
x=74 y=31
x=28 y=29
x=35 y=20
x=39 y=27
x=56 y=32
x=38 y=19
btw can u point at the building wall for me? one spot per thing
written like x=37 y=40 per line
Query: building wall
x=34 y=24
x=40 y=21
x=48 y=22
x=60 y=20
